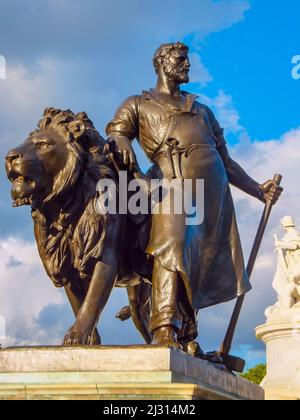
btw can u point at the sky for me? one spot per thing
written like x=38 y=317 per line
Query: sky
x=90 y=55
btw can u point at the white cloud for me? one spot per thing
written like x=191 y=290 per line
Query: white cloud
x=262 y=160
x=2 y=68
x=25 y=95
x=25 y=290
x=119 y=27
x=83 y=71
x=266 y=158
x=28 y=92
x=22 y=94
x=50 y=67
x=199 y=73
x=225 y=110
x=34 y=312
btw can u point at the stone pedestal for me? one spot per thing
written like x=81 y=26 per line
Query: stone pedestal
x=116 y=373
x=281 y=334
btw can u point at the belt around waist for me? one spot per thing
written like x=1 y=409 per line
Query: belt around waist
x=186 y=151
x=174 y=154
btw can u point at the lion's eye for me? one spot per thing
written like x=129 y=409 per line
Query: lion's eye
x=43 y=145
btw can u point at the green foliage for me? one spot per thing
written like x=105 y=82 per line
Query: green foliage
x=256 y=374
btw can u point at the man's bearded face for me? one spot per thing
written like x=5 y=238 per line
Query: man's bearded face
x=177 y=66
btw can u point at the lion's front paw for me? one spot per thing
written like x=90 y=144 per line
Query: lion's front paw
x=81 y=337
x=96 y=339
x=76 y=337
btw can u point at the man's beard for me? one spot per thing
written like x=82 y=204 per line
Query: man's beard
x=179 y=76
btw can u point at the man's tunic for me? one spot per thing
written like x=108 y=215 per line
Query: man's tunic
x=208 y=256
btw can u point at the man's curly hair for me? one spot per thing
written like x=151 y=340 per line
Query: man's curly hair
x=164 y=51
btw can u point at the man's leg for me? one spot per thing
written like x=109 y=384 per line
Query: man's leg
x=189 y=331
x=166 y=319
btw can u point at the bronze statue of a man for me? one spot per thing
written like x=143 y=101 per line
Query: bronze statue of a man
x=194 y=266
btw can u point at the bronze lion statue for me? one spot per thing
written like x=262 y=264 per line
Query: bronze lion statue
x=56 y=171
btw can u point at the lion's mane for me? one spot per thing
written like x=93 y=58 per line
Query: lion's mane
x=71 y=244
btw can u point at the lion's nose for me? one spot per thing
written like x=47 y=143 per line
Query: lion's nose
x=13 y=155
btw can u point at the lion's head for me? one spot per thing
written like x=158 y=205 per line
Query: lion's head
x=51 y=159
x=56 y=171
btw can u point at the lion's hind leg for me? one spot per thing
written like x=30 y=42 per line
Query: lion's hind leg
x=139 y=305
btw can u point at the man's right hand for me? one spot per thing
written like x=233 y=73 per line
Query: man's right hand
x=124 y=148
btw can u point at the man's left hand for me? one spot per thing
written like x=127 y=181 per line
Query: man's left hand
x=271 y=191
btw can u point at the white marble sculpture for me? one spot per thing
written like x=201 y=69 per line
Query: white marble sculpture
x=287 y=278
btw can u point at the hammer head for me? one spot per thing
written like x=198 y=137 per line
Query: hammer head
x=233 y=363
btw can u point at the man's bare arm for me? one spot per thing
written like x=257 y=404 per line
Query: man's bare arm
x=123 y=129
x=240 y=179
x=124 y=148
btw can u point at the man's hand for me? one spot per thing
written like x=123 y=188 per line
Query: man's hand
x=271 y=191
x=124 y=148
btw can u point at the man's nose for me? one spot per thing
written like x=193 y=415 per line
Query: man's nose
x=13 y=155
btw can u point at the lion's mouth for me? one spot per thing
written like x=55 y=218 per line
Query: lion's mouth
x=27 y=201
x=22 y=189
x=16 y=178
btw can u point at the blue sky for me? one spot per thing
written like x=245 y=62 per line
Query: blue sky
x=90 y=56
x=252 y=61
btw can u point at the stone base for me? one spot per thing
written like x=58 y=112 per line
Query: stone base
x=282 y=340
x=116 y=373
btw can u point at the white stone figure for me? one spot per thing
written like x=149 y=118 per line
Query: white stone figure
x=287 y=278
